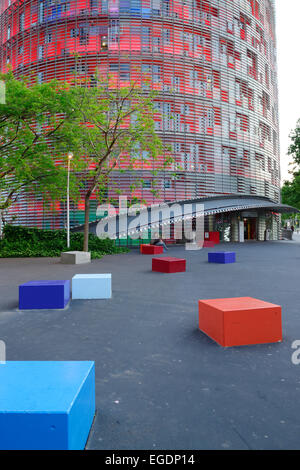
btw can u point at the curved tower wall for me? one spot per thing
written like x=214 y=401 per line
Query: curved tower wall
x=213 y=64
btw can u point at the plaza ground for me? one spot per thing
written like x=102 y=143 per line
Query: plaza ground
x=160 y=382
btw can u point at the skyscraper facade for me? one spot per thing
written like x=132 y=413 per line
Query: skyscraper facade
x=212 y=62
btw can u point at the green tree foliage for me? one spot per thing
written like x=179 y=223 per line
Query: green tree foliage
x=291 y=189
x=294 y=148
x=31 y=134
x=113 y=131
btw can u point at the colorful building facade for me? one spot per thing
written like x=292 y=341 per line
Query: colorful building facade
x=213 y=63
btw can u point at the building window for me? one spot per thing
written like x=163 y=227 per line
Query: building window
x=147 y=184
x=84 y=35
x=166 y=36
x=41 y=12
x=48 y=38
x=156 y=74
x=74 y=32
x=124 y=72
x=80 y=69
x=22 y=21
x=114 y=31
x=40 y=52
x=230 y=27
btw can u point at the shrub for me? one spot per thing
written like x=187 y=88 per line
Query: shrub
x=23 y=242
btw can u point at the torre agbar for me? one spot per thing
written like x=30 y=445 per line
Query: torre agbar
x=213 y=64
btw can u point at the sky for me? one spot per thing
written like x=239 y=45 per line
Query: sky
x=288 y=55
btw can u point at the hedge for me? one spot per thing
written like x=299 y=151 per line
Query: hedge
x=24 y=242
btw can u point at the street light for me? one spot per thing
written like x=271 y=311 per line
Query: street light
x=70 y=156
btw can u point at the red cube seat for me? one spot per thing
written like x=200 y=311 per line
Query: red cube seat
x=240 y=321
x=208 y=244
x=214 y=237
x=151 y=249
x=168 y=265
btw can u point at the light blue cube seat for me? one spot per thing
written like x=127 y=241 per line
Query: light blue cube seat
x=46 y=405
x=91 y=286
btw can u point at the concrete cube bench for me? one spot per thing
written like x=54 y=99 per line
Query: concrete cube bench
x=240 y=321
x=223 y=257
x=46 y=405
x=75 y=257
x=151 y=249
x=168 y=265
x=91 y=286
x=44 y=294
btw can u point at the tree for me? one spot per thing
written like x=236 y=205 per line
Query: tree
x=32 y=123
x=291 y=189
x=114 y=131
x=294 y=148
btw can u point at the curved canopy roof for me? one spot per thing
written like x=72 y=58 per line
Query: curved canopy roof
x=233 y=203
x=158 y=215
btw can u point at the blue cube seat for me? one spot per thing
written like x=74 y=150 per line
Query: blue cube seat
x=91 y=286
x=46 y=405
x=44 y=294
x=223 y=257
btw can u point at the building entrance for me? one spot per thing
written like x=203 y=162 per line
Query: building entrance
x=250 y=228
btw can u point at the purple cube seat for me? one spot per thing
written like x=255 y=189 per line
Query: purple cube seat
x=223 y=257
x=44 y=295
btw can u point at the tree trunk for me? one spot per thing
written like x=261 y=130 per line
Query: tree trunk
x=86 y=223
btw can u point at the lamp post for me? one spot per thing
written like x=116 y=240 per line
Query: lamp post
x=70 y=156
x=1 y=233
